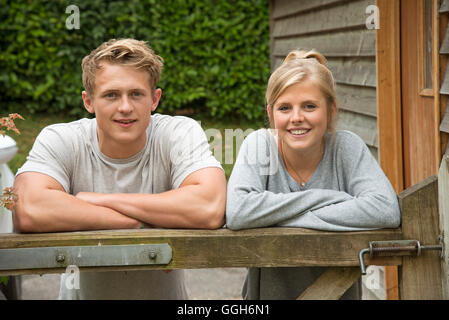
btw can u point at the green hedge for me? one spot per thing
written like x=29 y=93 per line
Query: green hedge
x=216 y=52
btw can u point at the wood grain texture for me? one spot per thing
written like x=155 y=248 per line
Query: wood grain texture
x=348 y=15
x=389 y=108
x=350 y=43
x=443 y=201
x=266 y=247
x=332 y=284
x=420 y=277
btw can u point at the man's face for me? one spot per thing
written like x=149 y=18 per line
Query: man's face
x=122 y=102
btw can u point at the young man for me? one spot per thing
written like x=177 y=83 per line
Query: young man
x=121 y=170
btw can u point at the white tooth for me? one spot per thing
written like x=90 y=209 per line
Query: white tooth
x=299 y=131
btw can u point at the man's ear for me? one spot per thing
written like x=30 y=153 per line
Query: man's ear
x=156 y=98
x=87 y=102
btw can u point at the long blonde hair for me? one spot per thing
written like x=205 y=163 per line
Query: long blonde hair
x=299 y=66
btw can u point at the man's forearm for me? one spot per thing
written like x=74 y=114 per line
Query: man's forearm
x=186 y=207
x=56 y=210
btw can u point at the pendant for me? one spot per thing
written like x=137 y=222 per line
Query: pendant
x=302 y=184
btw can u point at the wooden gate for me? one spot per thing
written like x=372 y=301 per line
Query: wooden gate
x=421 y=277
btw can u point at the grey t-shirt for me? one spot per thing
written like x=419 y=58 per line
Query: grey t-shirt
x=347 y=192
x=69 y=152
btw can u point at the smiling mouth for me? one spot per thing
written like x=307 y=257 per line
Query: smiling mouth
x=125 y=123
x=299 y=132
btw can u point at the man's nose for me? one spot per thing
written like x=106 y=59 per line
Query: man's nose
x=125 y=105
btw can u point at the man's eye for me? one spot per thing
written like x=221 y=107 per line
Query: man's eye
x=136 y=94
x=110 y=95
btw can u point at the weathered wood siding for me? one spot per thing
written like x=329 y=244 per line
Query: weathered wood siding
x=444 y=51
x=338 y=30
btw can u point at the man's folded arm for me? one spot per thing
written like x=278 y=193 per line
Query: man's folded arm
x=44 y=206
x=198 y=203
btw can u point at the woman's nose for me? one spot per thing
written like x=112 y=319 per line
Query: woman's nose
x=297 y=115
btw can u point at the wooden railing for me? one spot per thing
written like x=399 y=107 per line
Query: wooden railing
x=420 y=277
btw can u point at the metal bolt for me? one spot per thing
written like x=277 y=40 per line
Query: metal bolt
x=60 y=257
x=153 y=254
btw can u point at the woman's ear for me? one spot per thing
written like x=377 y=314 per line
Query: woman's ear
x=333 y=112
x=87 y=102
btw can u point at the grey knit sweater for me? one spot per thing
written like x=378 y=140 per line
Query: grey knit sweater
x=347 y=192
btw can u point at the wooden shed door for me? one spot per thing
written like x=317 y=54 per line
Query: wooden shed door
x=419 y=82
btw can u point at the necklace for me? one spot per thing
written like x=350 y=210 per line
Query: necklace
x=302 y=181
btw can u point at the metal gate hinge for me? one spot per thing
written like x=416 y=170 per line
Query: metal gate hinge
x=85 y=256
x=397 y=248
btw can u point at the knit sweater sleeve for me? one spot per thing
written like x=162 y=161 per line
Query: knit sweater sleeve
x=373 y=202
x=250 y=205
x=368 y=202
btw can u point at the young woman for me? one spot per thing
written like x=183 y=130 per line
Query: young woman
x=303 y=173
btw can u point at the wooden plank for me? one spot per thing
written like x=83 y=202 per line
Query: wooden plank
x=349 y=72
x=444 y=6
x=444 y=49
x=265 y=247
x=350 y=15
x=332 y=284
x=444 y=126
x=420 y=114
x=420 y=277
x=351 y=43
x=389 y=108
x=443 y=201
x=284 y=8
x=354 y=71
x=444 y=89
x=363 y=126
x=361 y=100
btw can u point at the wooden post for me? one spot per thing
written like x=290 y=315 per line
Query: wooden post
x=389 y=113
x=443 y=197
x=420 y=277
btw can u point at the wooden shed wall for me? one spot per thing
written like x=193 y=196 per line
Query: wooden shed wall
x=444 y=55
x=338 y=30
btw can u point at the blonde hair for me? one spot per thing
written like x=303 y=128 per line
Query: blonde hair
x=300 y=66
x=128 y=52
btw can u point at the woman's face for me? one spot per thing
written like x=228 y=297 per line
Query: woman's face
x=300 y=115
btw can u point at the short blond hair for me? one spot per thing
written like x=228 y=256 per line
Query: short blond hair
x=128 y=52
x=297 y=67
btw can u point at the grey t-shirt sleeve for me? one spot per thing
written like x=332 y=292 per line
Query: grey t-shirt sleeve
x=374 y=203
x=52 y=154
x=250 y=205
x=188 y=150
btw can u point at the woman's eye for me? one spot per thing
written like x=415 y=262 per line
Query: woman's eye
x=283 y=108
x=310 y=107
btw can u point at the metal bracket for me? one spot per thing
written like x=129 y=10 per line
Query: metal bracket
x=397 y=248
x=85 y=256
